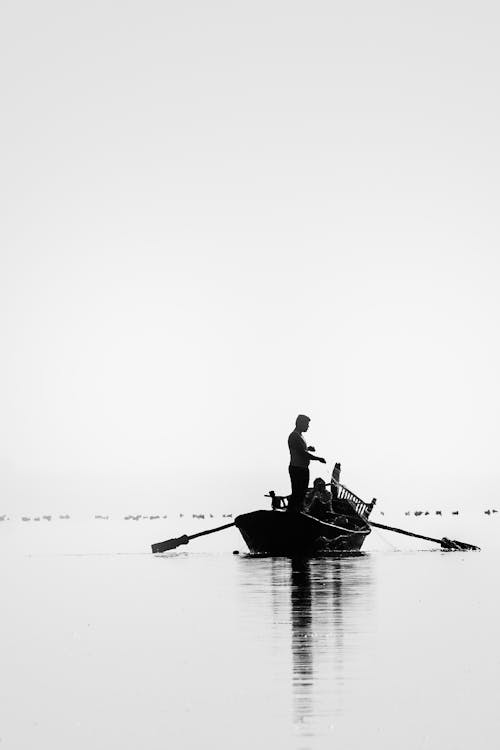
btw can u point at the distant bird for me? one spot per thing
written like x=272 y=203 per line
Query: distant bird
x=227 y=515
x=438 y=513
x=25 y=518
x=494 y=511
x=181 y=515
x=418 y=512
x=454 y=512
x=153 y=518
x=2 y=518
x=426 y=513
x=165 y=516
x=487 y=512
x=407 y=512
x=48 y=518
x=37 y=518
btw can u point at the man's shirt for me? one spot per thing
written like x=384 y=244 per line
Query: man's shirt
x=298 y=450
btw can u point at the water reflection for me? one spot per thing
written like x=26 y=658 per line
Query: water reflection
x=302 y=635
x=331 y=603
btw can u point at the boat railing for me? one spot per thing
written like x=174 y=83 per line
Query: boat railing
x=359 y=506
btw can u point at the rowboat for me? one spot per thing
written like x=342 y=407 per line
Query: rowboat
x=280 y=531
x=283 y=533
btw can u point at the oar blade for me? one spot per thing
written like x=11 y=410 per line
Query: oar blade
x=169 y=544
x=453 y=544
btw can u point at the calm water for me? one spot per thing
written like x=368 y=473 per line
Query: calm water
x=104 y=646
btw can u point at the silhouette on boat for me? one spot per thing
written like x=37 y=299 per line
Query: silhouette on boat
x=281 y=531
x=337 y=523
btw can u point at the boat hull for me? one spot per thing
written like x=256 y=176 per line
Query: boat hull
x=284 y=533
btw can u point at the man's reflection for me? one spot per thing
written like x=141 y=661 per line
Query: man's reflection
x=302 y=650
x=324 y=593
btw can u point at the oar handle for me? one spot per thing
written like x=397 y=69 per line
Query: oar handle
x=210 y=531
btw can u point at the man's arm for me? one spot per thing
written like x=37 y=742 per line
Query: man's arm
x=316 y=458
x=297 y=443
x=310 y=450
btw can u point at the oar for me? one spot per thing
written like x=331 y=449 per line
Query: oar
x=184 y=539
x=444 y=542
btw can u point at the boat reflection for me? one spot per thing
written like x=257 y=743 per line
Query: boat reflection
x=331 y=600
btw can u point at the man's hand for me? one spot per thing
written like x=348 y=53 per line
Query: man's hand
x=311 y=448
x=321 y=460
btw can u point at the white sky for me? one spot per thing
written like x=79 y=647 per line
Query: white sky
x=218 y=215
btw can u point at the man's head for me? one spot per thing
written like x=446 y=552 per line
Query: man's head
x=302 y=423
x=319 y=484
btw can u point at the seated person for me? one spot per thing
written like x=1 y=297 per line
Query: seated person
x=318 y=501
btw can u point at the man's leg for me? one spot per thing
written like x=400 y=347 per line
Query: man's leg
x=295 y=482
x=304 y=486
x=299 y=479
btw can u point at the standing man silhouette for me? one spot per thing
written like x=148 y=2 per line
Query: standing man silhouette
x=300 y=457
